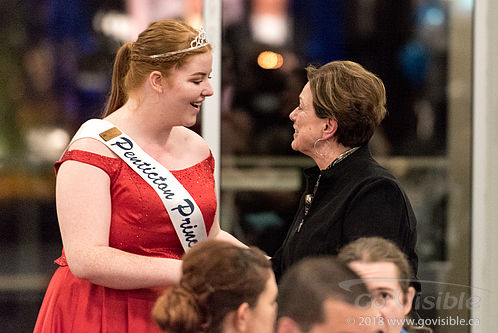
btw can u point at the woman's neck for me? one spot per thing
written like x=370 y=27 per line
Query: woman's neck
x=336 y=152
x=139 y=122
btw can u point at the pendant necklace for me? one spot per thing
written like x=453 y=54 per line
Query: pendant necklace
x=308 y=199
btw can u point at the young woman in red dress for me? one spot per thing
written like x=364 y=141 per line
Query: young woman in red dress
x=120 y=245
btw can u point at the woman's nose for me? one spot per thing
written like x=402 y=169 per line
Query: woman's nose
x=292 y=115
x=208 y=90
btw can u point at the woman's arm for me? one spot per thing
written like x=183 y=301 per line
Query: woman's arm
x=217 y=233
x=379 y=209
x=200 y=148
x=84 y=213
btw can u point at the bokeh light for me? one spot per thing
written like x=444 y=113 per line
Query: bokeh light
x=270 y=60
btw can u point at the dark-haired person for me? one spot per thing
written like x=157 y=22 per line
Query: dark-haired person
x=347 y=195
x=224 y=288
x=135 y=190
x=323 y=295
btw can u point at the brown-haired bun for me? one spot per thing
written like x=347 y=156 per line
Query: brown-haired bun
x=178 y=310
x=217 y=277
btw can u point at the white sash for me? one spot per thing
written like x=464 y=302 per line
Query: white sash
x=182 y=209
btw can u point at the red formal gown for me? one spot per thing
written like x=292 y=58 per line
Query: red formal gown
x=140 y=225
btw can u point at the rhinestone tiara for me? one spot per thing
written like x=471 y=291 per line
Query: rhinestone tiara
x=199 y=41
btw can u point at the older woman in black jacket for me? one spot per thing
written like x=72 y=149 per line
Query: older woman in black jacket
x=348 y=195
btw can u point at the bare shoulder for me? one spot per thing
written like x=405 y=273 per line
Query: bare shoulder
x=187 y=138
x=92 y=146
x=79 y=173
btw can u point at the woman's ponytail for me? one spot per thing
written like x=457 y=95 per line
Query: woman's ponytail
x=118 y=95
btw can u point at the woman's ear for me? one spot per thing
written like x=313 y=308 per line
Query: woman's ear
x=409 y=300
x=330 y=128
x=241 y=317
x=157 y=81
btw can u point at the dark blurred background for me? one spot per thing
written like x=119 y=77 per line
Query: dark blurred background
x=56 y=59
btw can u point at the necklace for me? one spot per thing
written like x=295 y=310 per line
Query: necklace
x=308 y=199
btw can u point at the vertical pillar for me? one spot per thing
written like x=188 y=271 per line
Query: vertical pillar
x=458 y=236
x=211 y=112
x=484 y=270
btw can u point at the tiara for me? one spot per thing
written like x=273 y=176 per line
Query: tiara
x=199 y=41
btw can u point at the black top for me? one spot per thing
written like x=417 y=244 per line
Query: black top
x=355 y=198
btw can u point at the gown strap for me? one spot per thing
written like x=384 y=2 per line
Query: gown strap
x=111 y=165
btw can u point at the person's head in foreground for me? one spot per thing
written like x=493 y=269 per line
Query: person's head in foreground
x=385 y=270
x=339 y=108
x=322 y=295
x=224 y=288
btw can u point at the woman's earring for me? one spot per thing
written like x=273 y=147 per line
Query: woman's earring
x=316 y=150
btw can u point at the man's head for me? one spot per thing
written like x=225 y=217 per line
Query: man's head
x=323 y=295
x=385 y=270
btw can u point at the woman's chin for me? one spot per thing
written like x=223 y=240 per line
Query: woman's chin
x=295 y=146
x=191 y=123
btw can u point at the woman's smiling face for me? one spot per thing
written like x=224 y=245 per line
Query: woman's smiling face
x=187 y=88
x=307 y=126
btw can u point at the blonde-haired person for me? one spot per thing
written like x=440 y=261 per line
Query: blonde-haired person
x=347 y=194
x=223 y=289
x=135 y=189
x=387 y=274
